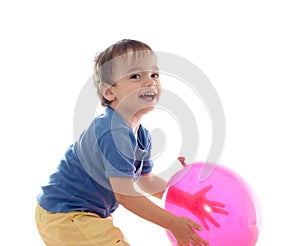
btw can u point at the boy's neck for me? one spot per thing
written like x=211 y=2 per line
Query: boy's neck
x=133 y=121
x=134 y=124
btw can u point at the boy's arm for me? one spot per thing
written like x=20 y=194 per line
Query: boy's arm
x=181 y=227
x=152 y=184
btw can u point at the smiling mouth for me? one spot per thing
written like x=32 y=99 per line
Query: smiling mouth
x=148 y=96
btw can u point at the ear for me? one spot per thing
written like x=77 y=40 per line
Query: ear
x=107 y=91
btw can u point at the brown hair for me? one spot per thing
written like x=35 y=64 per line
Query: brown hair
x=118 y=49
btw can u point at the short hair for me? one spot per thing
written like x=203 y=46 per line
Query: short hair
x=120 y=48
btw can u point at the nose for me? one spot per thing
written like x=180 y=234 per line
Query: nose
x=150 y=81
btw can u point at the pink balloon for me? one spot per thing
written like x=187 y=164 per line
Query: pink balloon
x=223 y=204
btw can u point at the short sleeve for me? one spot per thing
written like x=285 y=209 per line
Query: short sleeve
x=117 y=152
x=147 y=167
x=146 y=144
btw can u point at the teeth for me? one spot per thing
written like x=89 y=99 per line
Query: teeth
x=149 y=94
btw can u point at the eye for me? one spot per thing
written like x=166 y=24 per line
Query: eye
x=155 y=75
x=135 y=76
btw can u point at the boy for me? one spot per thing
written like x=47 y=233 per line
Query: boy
x=98 y=171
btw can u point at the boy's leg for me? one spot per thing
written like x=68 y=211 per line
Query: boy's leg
x=77 y=229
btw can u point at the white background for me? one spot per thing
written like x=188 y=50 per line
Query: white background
x=248 y=49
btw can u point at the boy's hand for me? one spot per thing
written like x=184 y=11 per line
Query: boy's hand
x=201 y=207
x=182 y=230
x=198 y=204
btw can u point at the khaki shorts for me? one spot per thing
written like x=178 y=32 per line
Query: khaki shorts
x=77 y=229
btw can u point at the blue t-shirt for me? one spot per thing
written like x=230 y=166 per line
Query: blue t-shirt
x=108 y=148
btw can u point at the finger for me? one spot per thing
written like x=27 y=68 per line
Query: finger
x=206 y=189
x=213 y=221
x=204 y=242
x=220 y=211
x=194 y=225
x=203 y=222
x=182 y=244
x=218 y=204
x=197 y=240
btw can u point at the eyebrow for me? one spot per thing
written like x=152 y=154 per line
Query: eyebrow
x=138 y=69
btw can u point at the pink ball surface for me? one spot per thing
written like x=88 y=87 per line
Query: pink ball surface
x=226 y=206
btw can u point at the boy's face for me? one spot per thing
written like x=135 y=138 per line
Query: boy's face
x=137 y=86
